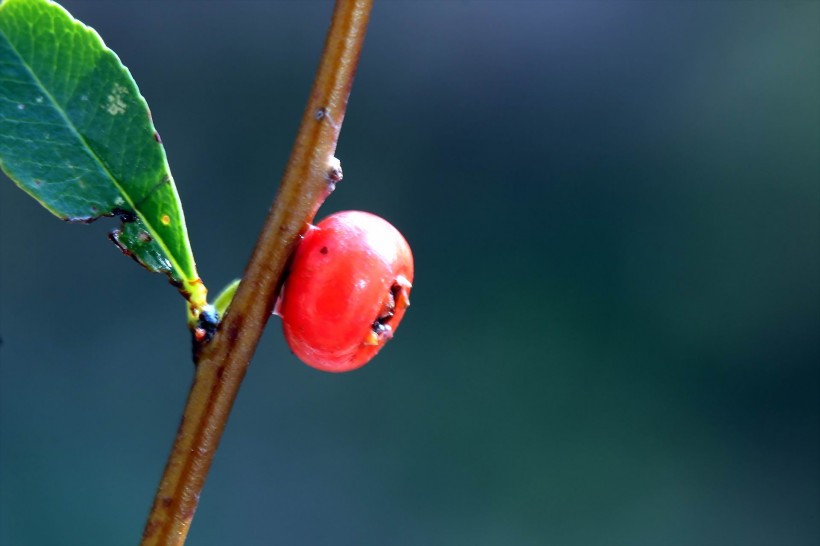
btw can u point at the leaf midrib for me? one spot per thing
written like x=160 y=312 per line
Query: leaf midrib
x=98 y=160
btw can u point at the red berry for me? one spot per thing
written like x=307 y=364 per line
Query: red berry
x=347 y=290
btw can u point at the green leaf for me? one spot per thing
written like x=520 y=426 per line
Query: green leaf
x=224 y=299
x=76 y=134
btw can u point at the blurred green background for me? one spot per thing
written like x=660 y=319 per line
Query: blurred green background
x=615 y=333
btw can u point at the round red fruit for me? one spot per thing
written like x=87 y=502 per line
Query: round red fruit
x=347 y=290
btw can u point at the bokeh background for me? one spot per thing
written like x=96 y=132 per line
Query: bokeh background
x=615 y=333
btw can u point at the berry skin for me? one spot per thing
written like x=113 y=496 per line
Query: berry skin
x=347 y=290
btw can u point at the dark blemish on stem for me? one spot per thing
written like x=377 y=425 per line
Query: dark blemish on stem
x=151 y=528
x=233 y=330
x=166 y=501
x=208 y=321
x=157 y=137
x=206 y=326
x=144 y=237
x=220 y=371
x=324 y=113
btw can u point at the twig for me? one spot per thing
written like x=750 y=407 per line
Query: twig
x=308 y=179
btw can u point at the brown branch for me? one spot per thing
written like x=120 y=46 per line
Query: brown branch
x=307 y=181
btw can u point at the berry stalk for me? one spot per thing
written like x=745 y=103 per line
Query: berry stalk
x=221 y=364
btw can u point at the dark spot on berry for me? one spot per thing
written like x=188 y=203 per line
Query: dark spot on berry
x=323 y=250
x=380 y=325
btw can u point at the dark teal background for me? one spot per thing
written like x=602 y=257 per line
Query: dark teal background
x=615 y=333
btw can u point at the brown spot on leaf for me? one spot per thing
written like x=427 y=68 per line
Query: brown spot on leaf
x=125 y=215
